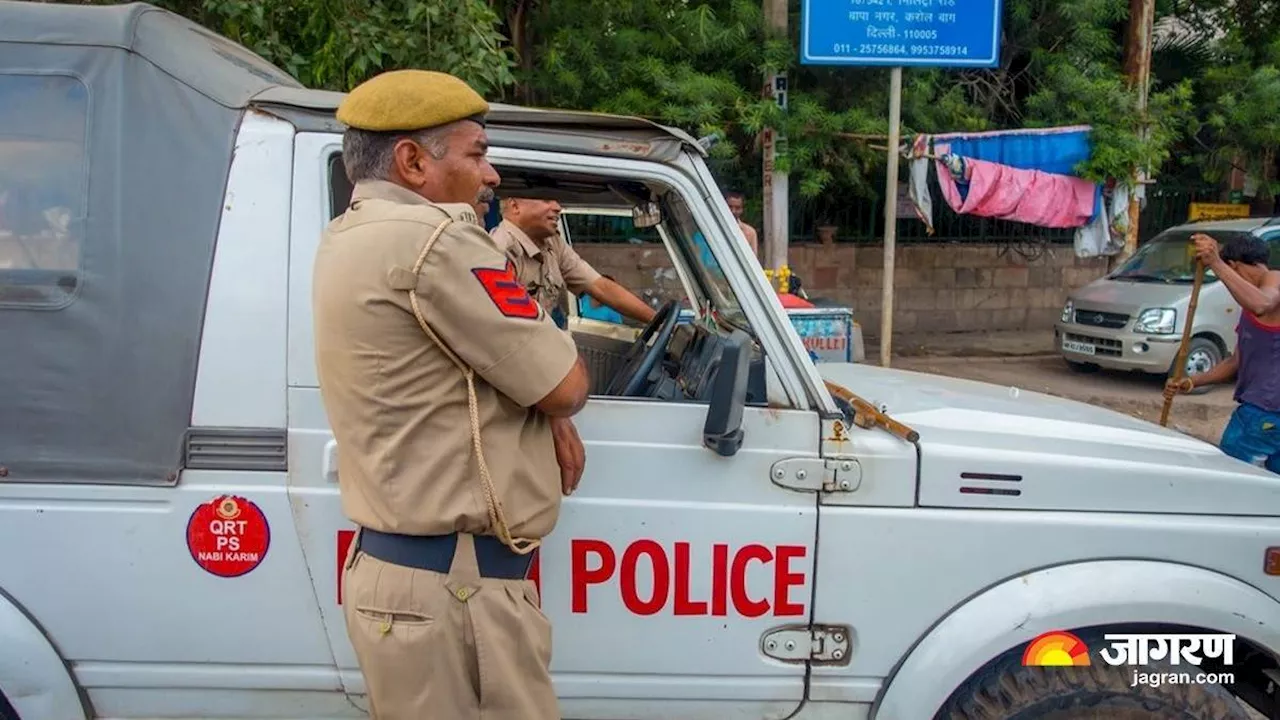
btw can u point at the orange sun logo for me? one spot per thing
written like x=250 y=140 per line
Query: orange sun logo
x=1056 y=648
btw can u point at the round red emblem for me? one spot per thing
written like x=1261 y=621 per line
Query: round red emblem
x=228 y=536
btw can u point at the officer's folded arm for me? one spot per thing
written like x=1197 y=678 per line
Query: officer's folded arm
x=568 y=397
x=490 y=321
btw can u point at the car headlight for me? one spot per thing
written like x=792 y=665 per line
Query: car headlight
x=1068 y=311
x=1157 y=321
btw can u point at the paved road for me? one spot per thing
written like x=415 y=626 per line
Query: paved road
x=1200 y=415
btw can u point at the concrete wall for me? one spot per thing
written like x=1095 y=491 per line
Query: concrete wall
x=939 y=287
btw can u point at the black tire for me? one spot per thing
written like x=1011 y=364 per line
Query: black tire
x=1005 y=690
x=1202 y=354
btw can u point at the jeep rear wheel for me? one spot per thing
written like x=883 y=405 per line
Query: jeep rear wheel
x=1005 y=690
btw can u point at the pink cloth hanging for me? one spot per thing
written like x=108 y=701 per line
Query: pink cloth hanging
x=1029 y=196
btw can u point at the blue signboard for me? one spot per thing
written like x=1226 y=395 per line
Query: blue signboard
x=901 y=33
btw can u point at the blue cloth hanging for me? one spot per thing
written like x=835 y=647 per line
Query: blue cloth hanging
x=1052 y=150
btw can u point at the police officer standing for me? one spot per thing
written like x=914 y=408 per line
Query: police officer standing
x=449 y=391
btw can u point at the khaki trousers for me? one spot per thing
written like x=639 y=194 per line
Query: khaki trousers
x=453 y=647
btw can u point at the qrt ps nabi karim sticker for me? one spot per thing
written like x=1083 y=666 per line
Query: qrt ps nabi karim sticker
x=228 y=536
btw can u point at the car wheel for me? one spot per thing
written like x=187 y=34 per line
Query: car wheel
x=1006 y=689
x=1202 y=355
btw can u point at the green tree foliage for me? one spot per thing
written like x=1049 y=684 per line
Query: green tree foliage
x=1245 y=121
x=1071 y=53
x=1234 y=54
x=336 y=44
x=700 y=64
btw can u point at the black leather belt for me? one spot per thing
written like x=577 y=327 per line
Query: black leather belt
x=435 y=553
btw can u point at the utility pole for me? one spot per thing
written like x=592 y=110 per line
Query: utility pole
x=890 y=217
x=1137 y=70
x=776 y=222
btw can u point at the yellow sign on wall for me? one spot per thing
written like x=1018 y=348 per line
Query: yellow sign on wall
x=1216 y=211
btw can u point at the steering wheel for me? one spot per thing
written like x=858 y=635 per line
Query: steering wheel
x=633 y=377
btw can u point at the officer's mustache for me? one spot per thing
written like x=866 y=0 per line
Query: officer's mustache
x=485 y=196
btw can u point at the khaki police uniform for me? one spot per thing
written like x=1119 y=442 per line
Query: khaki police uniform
x=428 y=354
x=545 y=270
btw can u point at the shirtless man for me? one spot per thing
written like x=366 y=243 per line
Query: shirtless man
x=1253 y=434
x=737 y=204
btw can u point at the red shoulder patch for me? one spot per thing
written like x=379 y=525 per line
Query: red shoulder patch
x=506 y=292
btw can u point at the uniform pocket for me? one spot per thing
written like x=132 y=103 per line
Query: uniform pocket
x=387 y=616
x=407 y=643
x=382 y=601
x=407 y=628
x=530 y=594
x=541 y=624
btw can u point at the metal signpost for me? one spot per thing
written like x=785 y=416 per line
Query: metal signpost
x=897 y=34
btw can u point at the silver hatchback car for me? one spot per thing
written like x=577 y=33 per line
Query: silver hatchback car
x=1132 y=318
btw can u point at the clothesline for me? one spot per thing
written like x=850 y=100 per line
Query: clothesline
x=862 y=136
x=909 y=141
x=905 y=151
x=1026 y=175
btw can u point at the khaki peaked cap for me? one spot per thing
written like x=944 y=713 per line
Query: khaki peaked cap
x=408 y=100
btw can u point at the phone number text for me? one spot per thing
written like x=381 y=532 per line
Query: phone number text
x=889 y=49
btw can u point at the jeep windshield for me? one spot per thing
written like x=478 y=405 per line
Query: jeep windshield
x=688 y=237
x=1169 y=258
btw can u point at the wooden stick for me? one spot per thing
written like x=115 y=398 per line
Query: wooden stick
x=867 y=416
x=1180 y=364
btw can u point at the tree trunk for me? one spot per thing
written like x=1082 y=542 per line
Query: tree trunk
x=1267 y=199
x=518 y=23
x=1137 y=70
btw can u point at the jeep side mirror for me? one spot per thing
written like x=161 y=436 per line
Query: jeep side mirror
x=722 y=431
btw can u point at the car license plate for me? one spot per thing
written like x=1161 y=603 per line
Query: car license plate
x=1079 y=347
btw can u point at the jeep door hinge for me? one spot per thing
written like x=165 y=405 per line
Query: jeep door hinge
x=818 y=644
x=827 y=475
